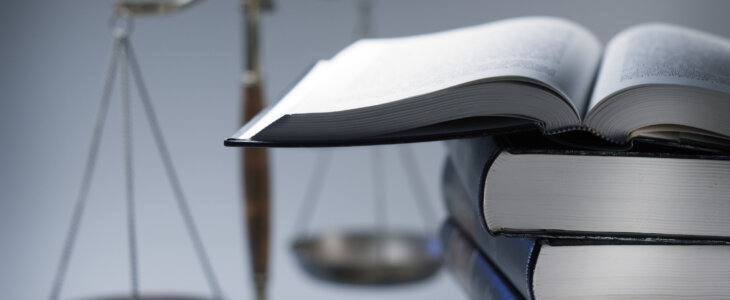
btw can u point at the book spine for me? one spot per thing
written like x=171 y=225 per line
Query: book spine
x=471 y=160
x=515 y=257
x=477 y=276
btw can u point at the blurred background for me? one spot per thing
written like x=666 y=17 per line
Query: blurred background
x=53 y=56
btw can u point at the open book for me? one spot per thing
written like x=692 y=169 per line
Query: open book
x=655 y=82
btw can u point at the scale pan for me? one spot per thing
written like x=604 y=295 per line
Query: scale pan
x=158 y=297
x=369 y=258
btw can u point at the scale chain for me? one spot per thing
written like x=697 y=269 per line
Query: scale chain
x=319 y=173
x=314 y=188
x=418 y=187
x=381 y=209
x=128 y=168
x=89 y=167
x=122 y=53
x=171 y=174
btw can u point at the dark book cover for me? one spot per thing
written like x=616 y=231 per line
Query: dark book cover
x=514 y=256
x=517 y=256
x=472 y=159
x=479 y=278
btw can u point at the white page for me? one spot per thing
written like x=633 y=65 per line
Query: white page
x=663 y=54
x=314 y=78
x=552 y=51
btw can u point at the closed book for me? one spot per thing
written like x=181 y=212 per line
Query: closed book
x=479 y=278
x=605 y=268
x=513 y=256
x=522 y=186
x=652 y=82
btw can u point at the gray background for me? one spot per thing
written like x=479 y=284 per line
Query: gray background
x=52 y=60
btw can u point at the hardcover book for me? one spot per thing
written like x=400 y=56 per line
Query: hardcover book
x=552 y=191
x=479 y=278
x=653 y=82
x=606 y=268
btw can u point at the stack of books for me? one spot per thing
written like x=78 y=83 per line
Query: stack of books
x=576 y=171
x=552 y=222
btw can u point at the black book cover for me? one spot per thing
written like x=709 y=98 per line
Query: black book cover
x=479 y=278
x=513 y=256
x=516 y=256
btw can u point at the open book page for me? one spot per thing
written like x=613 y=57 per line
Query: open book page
x=663 y=54
x=314 y=78
x=549 y=51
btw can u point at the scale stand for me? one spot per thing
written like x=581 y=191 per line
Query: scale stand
x=123 y=57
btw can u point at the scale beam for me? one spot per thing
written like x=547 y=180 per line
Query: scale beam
x=149 y=8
